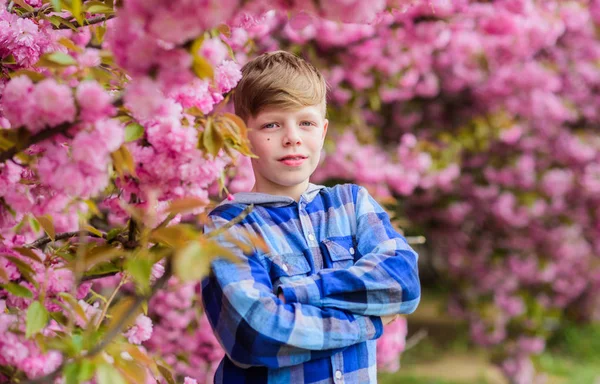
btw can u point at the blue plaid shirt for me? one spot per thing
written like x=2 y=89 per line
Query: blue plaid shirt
x=340 y=266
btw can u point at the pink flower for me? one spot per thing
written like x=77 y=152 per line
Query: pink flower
x=391 y=345
x=54 y=104
x=214 y=50
x=94 y=101
x=39 y=365
x=92 y=314
x=140 y=331
x=227 y=76
x=195 y=94
x=145 y=100
x=189 y=380
x=60 y=280
x=17 y=103
x=89 y=58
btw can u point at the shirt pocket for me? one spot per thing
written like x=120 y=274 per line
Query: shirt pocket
x=287 y=267
x=341 y=252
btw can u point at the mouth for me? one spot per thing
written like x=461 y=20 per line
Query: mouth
x=293 y=157
x=293 y=160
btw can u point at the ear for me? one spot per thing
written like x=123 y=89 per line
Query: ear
x=325 y=125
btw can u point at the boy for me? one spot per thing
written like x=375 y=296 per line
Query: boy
x=309 y=310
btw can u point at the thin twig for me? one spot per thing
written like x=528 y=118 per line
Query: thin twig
x=110 y=299
x=86 y=22
x=40 y=243
x=36 y=11
x=415 y=339
x=114 y=332
x=99 y=276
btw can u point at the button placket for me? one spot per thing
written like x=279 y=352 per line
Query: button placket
x=310 y=237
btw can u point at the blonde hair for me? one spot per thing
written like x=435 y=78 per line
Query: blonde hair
x=279 y=79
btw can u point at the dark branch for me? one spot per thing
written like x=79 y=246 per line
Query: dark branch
x=37 y=138
x=40 y=243
x=86 y=22
x=99 y=276
x=36 y=11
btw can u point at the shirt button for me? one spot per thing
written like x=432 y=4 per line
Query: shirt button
x=338 y=374
x=285 y=267
x=351 y=250
x=311 y=237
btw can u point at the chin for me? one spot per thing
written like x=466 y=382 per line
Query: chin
x=290 y=183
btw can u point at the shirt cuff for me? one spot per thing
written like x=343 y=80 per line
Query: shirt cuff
x=372 y=327
x=307 y=292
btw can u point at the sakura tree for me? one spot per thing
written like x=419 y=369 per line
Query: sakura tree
x=115 y=133
x=479 y=122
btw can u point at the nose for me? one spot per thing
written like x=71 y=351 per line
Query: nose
x=291 y=137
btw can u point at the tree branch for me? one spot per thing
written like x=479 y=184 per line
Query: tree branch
x=86 y=22
x=36 y=11
x=40 y=243
x=100 y=276
x=37 y=138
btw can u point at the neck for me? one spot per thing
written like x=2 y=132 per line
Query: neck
x=294 y=191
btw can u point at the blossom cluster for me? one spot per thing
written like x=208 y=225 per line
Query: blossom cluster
x=502 y=176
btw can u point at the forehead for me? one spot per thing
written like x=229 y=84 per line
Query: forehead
x=275 y=112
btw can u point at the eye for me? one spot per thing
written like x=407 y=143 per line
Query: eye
x=307 y=123
x=269 y=125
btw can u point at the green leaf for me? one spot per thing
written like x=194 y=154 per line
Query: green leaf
x=71 y=373
x=28 y=253
x=10 y=59
x=202 y=67
x=211 y=138
x=76 y=11
x=24 y=5
x=56 y=5
x=166 y=373
x=140 y=270
x=133 y=132
x=37 y=317
x=102 y=269
x=33 y=76
x=57 y=21
x=48 y=224
x=34 y=224
x=192 y=263
x=79 y=372
x=107 y=374
x=56 y=60
x=18 y=290
x=24 y=268
x=185 y=204
x=100 y=8
x=61 y=58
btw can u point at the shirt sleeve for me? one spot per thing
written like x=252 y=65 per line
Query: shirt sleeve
x=384 y=281
x=257 y=329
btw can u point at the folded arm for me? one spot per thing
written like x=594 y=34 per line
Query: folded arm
x=384 y=281
x=258 y=329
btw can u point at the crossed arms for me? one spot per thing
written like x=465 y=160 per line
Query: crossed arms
x=322 y=314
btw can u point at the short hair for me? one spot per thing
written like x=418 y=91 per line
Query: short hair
x=279 y=79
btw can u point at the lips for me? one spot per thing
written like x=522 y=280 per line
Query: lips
x=293 y=160
x=293 y=157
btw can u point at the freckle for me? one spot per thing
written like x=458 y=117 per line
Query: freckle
x=268 y=139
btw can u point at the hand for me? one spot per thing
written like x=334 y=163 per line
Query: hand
x=281 y=297
x=388 y=319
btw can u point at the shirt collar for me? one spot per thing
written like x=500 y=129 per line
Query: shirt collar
x=259 y=198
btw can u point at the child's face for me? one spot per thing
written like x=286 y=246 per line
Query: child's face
x=276 y=133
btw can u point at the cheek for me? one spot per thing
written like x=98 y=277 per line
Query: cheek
x=261 y=145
